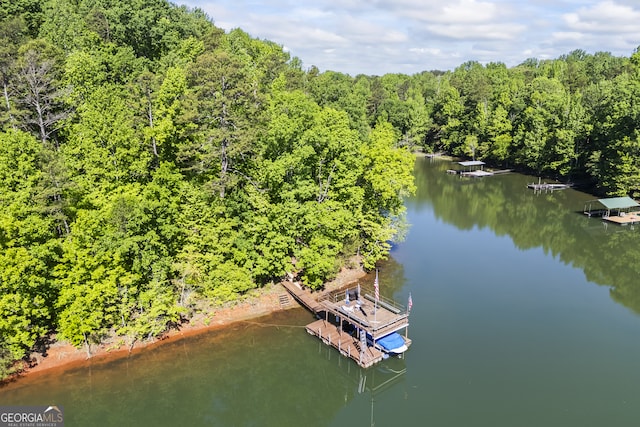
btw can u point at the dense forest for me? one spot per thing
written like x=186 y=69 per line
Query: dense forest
x=153 y=165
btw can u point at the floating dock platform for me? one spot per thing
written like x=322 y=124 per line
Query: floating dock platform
x=548 y=187
x=623 y=218
x=348 y=345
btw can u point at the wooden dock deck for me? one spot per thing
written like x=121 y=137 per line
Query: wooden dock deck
x=377 y=318
x=476 y=174
x=624 y=218
x=548 y=187
x=345 y=343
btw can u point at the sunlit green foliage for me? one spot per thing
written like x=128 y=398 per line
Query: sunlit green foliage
x=152 y=165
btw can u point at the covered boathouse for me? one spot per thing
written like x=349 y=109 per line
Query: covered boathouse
x=620 y=210
x=355 y=323
x=473 y=168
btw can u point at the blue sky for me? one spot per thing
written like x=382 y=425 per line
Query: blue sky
x=376 y=37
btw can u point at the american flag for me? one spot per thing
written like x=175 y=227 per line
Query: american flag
x=377 y=287
x=410 y=304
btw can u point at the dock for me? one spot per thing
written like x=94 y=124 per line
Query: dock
x=623 y=218
x=619 y=210
x=476 y=173
x=351 y=320
x=548 y=187
x=475 y=169
x=346 y=344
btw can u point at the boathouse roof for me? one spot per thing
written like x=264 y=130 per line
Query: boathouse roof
x=470 y=163
x=618 y=203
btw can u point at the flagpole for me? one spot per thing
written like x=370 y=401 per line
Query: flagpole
x=377 y=295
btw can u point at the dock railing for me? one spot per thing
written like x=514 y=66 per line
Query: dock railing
x=380 y=319
x=366 y=292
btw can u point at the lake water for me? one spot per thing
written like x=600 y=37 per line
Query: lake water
x=525 y=313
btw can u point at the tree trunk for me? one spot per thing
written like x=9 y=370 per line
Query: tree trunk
x=41 y=126
x=5 y=89
x=86 y=345
x=224 y=165
x=150 y=115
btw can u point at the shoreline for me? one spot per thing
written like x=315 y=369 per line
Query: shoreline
x=62 y=356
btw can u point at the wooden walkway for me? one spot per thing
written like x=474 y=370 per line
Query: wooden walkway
x=303 y=296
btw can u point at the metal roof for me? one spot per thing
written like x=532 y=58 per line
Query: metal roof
x=471 y=163
x=619 y=203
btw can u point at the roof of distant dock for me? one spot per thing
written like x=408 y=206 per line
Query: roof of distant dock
x=471 y=163
x=619 y=203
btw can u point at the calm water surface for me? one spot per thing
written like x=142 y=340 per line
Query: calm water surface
x=525 y=313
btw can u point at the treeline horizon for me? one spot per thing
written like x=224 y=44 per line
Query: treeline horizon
x=574 y=118
x=153 y=166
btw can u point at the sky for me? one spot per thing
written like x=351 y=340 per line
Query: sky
x=376 y=37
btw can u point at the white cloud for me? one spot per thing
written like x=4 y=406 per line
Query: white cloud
x=409 y=36
x=605 y=25
x=477 y=32
x=568 y=35
x=605 y=17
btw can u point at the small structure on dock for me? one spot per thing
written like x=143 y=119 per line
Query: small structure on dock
x=544 y=186
x=356 y=323
x=472 y=168
x=619 y=210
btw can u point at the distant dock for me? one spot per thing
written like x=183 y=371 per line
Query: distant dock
x=475 y=169
x=619 y=210
x=548 y=187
